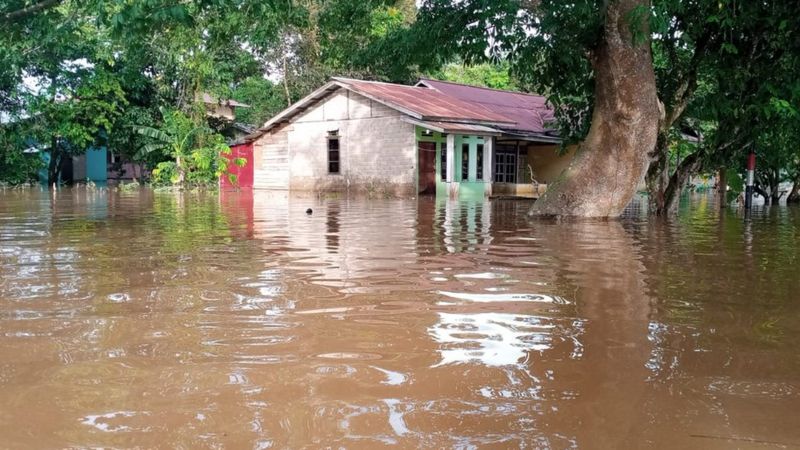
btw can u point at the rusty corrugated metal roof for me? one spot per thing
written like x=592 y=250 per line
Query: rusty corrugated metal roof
x=519 y=115
x=529 y=112
x=427 y=104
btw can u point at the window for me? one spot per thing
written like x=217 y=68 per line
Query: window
x=505 y=165
x=333 y=154
x=443 y=160
x=479 y=168
x=464 y=162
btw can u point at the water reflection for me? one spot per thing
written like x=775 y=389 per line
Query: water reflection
x=139 y=319
x=492 y=339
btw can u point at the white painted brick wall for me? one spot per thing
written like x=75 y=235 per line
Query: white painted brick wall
x=335 y=106
x=377 y=150
x=359 y=107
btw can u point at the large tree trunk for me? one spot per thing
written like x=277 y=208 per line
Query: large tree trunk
x=602 y=178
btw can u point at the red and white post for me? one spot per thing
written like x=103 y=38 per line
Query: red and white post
x=751 y=179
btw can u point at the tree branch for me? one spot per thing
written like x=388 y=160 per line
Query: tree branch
x=29 y=10
x=687 y=86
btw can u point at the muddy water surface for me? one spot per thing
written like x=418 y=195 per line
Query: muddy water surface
x=142 y=320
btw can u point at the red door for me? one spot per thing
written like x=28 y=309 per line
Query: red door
x=427 y=168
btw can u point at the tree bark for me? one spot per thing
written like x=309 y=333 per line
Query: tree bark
x=688 y=167
x=602 y=178
x=29 y=10
x=775 y=187
x=794 y=195
x=286 y=81
x=181 y=171
x=762 y=193
x=722 y=189
x=658 y=176
x=54 y=167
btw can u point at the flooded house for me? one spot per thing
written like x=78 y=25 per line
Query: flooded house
x=435 y=138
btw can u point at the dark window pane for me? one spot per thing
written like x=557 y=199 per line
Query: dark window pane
x=464 y=162
x=505 y=166
x=333 y=155
x=443 y=160
x=479 y=168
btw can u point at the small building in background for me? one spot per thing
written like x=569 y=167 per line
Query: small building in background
x=219 y=108
x=434 y=138
x=91 y=166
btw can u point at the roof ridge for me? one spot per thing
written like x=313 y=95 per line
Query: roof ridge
x=529 y=94
x=346 y=79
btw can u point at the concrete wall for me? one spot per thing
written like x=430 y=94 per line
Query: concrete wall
x=377 y=149
x=79 y=168
x=518 y=190
x=546 y=161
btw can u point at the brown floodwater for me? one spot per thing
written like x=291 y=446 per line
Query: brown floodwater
x=149 y=320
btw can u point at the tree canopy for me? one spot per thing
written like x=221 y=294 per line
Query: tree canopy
x=75 y=73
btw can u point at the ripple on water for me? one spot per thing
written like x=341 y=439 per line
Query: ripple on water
x=773 y=390
x=119 y=297
x=510 y=297
x=483 y=276
x=237 y=321
x=113 y=422
x=348 y=356
x=491 y=339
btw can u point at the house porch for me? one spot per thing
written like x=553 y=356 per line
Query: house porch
x=477 y=165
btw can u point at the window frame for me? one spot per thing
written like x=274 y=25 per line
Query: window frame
x=505 y=166
x=338 y=150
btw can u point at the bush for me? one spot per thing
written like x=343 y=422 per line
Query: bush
x=17 y=167
x=165 y=173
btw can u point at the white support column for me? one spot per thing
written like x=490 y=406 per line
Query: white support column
x=488 y=166
x=452 y=187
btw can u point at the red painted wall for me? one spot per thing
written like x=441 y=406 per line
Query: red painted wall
x=244 y=175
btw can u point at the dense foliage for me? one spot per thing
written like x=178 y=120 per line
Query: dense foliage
x=74 y=74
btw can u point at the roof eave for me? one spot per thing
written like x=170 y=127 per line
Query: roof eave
x=443 y=129
x=532 y=137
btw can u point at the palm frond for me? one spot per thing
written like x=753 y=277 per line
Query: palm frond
x=153 y=133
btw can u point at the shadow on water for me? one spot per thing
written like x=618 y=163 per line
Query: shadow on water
x=238 y=320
